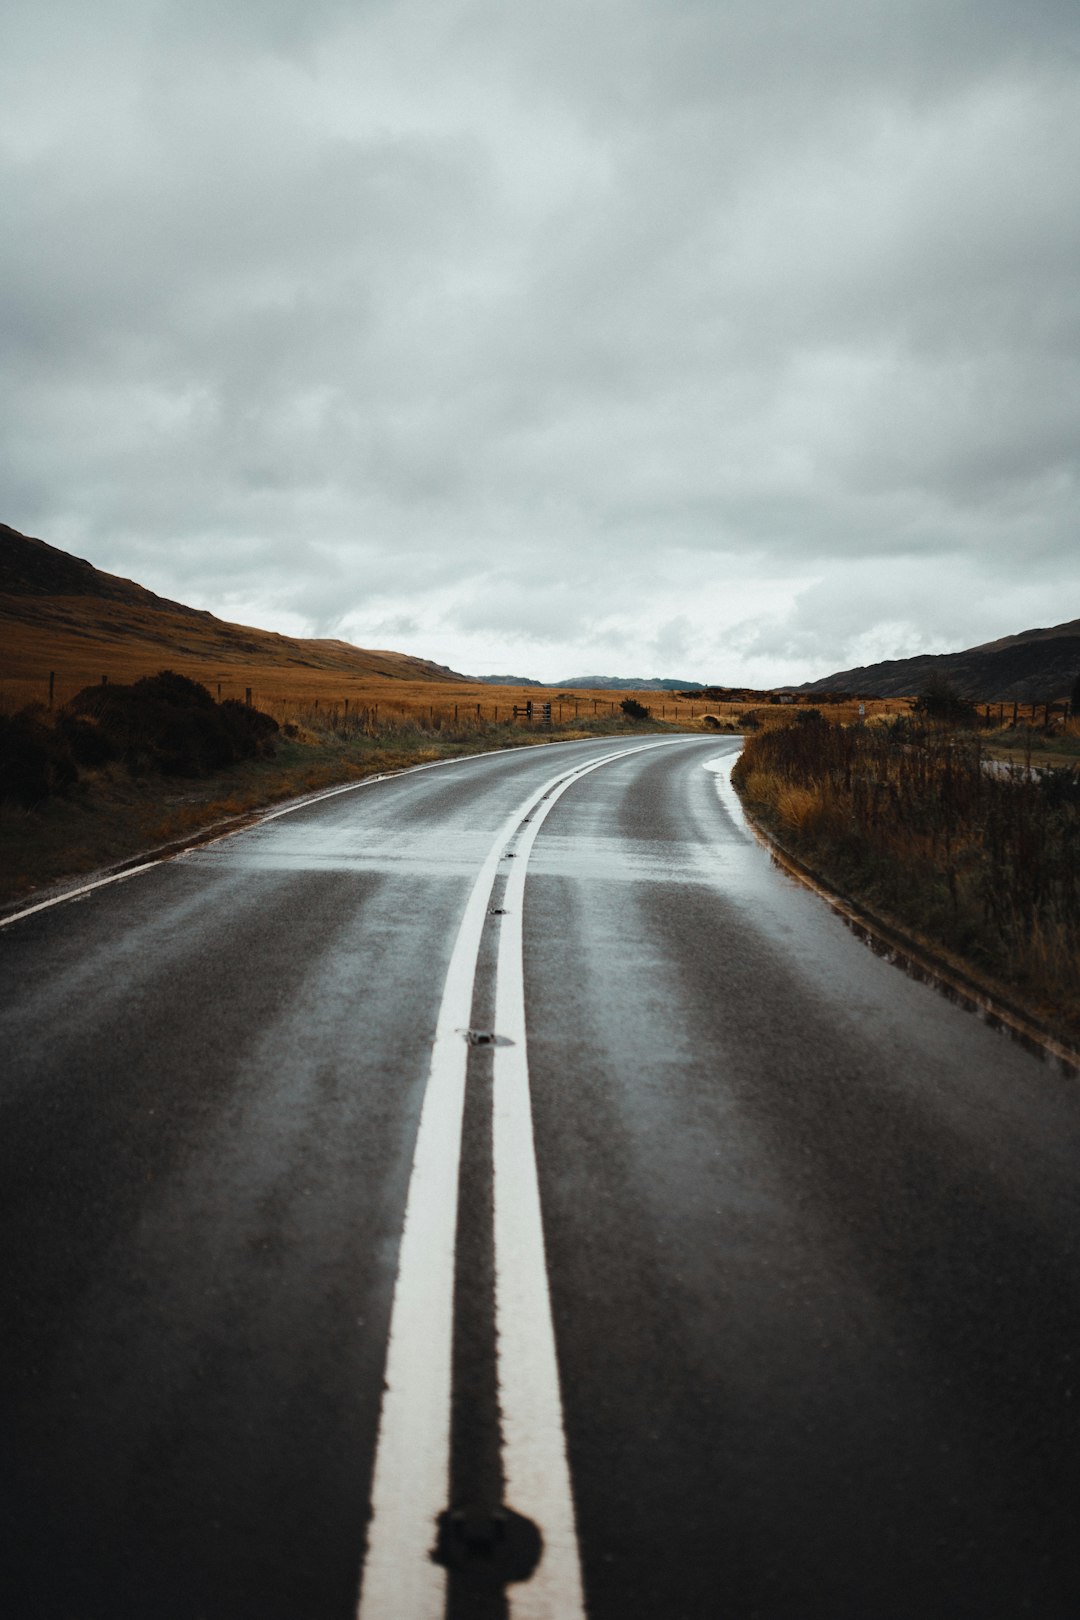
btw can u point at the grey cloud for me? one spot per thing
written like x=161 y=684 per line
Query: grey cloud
x=320 y=306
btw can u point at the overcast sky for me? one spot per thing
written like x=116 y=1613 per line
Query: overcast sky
x=719 y=339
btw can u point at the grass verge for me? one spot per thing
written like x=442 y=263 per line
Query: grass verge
x=979 y=867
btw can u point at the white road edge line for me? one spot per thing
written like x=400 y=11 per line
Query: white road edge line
x=411 y=1478
x=73 y=894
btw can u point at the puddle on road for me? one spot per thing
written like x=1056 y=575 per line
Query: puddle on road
x=720 y=768
x=306 y=849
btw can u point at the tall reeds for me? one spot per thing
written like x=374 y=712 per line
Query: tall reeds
x=912 y=818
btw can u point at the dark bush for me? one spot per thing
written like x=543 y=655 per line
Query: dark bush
x=1061 y=785
x=89 y=744
x=634 y=710
x=35 y=760
x=168 y=723
x=251 y=728
x=940 y=700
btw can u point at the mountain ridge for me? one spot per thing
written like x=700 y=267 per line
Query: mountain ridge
x=1034 y=666
x=623 y=683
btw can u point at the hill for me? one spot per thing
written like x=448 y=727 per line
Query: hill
x=505 y=680
x=619 y=683
x=1036 y=666
x=59 y=613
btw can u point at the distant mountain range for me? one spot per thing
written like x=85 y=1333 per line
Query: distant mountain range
x=593 y=683
x=504 y=680
x=620 y=683
x=1036 y=666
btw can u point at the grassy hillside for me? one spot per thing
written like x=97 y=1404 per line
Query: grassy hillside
x=60 y=615
x=1036 y=666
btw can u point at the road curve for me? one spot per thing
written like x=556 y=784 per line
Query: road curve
x=781 y=1246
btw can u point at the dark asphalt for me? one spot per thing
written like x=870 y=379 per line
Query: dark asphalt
x=812 y=1230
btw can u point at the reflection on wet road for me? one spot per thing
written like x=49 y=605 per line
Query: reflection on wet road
x=808 y=1233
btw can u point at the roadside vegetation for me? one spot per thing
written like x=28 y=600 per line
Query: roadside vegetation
x=915 y=818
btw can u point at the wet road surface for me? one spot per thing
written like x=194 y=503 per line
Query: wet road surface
x=800 y=1337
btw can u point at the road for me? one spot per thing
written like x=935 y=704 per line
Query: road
x=781 y=1245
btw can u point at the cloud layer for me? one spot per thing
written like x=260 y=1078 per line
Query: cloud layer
x=729 y=341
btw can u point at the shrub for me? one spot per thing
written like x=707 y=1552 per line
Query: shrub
x=168 y=723
x=634 y=710
x=89 y=744
x=35 y=760
x=940 y=700
x=251 y=729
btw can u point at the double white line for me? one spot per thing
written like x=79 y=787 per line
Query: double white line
x=411 y=1482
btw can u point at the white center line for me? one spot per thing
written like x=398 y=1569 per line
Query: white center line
x=411 y=1483
x=534 y=1457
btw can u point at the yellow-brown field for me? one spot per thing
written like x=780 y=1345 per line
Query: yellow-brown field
x=80 y=639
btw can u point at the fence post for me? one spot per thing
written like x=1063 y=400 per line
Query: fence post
x=52 y=685
x=247 y=697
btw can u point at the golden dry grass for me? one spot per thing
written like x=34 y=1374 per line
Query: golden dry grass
x=81 y=639
x=908 y=823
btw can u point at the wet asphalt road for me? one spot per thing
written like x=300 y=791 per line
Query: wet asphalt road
x=812 y=1232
